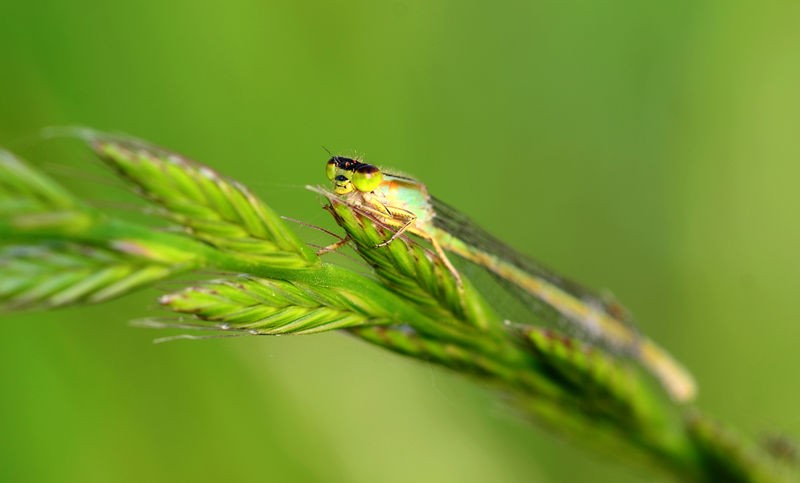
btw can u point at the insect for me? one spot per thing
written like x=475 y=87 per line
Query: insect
x=404 y=204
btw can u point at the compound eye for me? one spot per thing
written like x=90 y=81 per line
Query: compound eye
x=367 y=178
x=330 y=169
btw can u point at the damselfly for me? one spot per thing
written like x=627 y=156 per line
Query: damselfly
x=404 y=203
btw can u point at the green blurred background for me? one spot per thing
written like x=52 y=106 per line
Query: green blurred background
x=650 y=148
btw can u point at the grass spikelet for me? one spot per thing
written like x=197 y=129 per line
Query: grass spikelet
x=413 y=271
x=211 y=207
x=24 y=189
x=58 y=274
x=272 y=307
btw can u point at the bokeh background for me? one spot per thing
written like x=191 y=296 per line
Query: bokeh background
x=650 y=148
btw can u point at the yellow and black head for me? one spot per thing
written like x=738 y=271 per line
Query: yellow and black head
x=350 y=175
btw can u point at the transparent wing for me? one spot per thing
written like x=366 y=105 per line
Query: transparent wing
x=461 y=226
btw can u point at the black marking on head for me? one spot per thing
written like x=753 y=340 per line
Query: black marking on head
x=341 y=178
x=350 y=164
x=347 y=164
x=367 y=169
